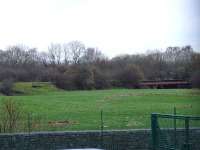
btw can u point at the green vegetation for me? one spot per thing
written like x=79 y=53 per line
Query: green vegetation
x=52 y=109
x=34 y=88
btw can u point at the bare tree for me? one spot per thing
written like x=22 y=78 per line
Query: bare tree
x=55 y=53
x=92 y=55
x=16 y=55
x=77 y=50
x=66 y=52
x=44 y=58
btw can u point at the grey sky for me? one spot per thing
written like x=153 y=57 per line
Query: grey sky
x=114 y=26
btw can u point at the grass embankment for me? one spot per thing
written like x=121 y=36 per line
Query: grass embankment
x=53 y=109
x=33 y=88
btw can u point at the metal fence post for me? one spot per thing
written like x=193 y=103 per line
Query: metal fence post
x=101 y=128
x=187 y=136
x=175 y=143
x=29 y=123
x=29 y=129
x=154 y=120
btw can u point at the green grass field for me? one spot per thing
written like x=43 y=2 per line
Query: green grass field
x=53 y=109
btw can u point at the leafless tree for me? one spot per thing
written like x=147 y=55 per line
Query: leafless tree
x=66 y=52
x=92 y=55
x=77 y=49
x=55 y=53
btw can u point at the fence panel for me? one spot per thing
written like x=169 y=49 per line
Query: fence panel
x=174 y=132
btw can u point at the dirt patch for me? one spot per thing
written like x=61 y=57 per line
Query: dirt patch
x=62 y=123
x=184 y=106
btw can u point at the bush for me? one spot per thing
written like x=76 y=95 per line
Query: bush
x=101 y=79
x=7 y=73
x=130 y=76
x=81 y=77
x=85 y=78
x=66 y=80
x=196 y=80
x=6 y=87
x=10 y=114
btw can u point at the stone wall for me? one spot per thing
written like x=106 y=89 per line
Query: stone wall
x=110 y=140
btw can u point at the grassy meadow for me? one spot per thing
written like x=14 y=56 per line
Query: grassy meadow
x=52 y=109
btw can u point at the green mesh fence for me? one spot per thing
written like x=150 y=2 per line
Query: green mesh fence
x=174 y=132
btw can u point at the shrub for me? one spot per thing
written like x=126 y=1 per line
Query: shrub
x=130 y=76
x=66 y=80
x=6 y=87
x=196 y=80
x=101 y=79
x=85 y=78
x=10 y=113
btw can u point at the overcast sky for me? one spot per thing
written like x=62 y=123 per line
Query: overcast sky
x=114 y=26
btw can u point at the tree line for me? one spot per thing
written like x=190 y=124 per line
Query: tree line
x=73 y=66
